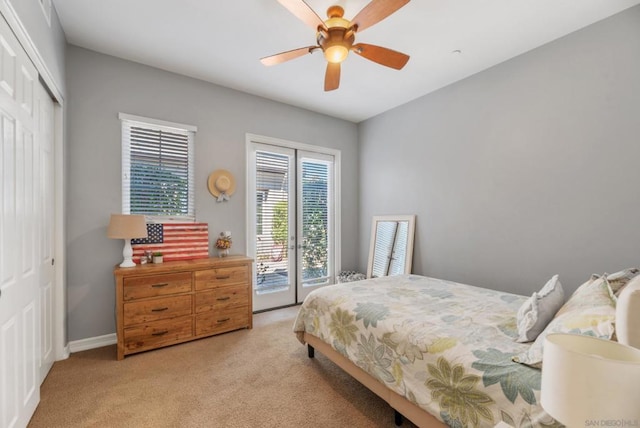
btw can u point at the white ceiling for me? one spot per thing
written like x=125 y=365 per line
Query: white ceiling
x=222 y=42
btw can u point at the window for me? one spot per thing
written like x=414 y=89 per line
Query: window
x=157 y=168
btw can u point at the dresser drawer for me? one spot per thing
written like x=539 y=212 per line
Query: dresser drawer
x=158 y=333
x=221 y=321
x=156 y=309
x=212 y=278
x=222 y=298
x=156 y=285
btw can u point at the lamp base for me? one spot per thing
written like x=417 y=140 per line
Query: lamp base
x=127 y=263
x=127 y=254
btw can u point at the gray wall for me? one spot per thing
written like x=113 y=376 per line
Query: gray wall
x=99 y=87
x=525 y=170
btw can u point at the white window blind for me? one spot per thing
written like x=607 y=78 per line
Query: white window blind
x=383 y=253
x=399 y=254
x=157 y=169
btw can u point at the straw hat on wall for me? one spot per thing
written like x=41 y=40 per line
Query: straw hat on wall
x=221 y=184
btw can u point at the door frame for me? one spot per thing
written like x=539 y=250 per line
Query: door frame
x=261 y=139
x=60 y=345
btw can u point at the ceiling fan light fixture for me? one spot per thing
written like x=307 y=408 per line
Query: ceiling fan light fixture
x=336 y=53
x=336 y=37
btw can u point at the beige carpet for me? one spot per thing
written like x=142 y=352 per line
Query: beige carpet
x=248 y=378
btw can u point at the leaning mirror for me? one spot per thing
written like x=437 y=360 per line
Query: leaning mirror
x=391 y=248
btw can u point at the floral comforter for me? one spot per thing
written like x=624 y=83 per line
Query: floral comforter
x=445 y=346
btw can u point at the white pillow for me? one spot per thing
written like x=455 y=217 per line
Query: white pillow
x=618 y=280
x=591 y=311
x=538 y=310
x=628 y=314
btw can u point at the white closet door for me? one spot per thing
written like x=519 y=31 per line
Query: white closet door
x=26 y=184
x=44 y=218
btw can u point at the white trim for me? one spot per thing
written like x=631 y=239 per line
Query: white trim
x=60 y=346
x=46 y=10
x=157 y=122
x=9 y=13
x=260 y=139
x=92 y=343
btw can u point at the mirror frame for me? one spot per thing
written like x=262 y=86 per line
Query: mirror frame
x=411 y=219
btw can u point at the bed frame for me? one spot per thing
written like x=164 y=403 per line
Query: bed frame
x=399 y=404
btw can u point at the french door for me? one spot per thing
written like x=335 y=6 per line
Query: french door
x=292 y=228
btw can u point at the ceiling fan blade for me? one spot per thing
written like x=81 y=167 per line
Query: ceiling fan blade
x=286 y=56
x=375 y=12
x=382 y=56
x=332 y=76
x=304 y=12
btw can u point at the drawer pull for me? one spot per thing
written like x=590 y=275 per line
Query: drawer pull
x=223 y=320
x=159 y=285
x=159 y=309
x=223 y=277
x=160 y=333
x=223 y=298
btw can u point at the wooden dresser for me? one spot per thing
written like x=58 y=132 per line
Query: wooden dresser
x=163 y=304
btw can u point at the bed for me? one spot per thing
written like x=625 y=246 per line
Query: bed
x=439 y=352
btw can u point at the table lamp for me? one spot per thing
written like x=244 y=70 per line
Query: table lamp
x=127 y=226
x=588 y=381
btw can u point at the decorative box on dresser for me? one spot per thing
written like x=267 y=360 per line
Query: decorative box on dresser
x=173 y=302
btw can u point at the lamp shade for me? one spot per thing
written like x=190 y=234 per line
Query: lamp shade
x=588 y=381
x=126 y=226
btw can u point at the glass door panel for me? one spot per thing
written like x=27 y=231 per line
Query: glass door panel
x=315 y=222
x=273 y=227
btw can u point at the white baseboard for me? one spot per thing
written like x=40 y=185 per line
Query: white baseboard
x=92 y=342
x=64 y=354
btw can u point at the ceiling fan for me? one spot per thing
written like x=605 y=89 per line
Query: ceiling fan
x=336 y=37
